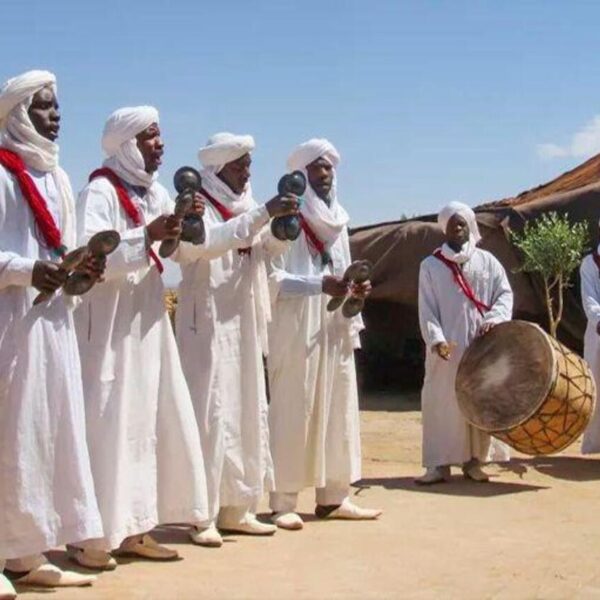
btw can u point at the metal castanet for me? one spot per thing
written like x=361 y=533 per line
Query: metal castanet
x=99 y=246
x=358 y=272
x=187 y=182
x=69 y=262
x=288 y=228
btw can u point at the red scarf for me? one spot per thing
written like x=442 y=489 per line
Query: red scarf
x=225 y=213
x=131 y=210
x=43 y=218
x=314 y=241
x=462 y=282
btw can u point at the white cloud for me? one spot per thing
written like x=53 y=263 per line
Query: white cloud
x=584 y=143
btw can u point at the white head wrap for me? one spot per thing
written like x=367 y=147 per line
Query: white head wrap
x=18 y=133
x=458 y=208
x=120 y=145
x=223 y=148
x=326 y=221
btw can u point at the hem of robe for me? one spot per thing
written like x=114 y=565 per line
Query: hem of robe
x=295 y=487
x=72 y=533
x=246 y=498
x=114 y=540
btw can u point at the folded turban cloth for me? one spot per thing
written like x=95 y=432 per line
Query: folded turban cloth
x=124 y=124
x=223 y=148
x=21 y=89
x=309 y=151
x=458 y=208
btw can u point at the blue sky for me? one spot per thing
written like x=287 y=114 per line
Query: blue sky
x=427 y=101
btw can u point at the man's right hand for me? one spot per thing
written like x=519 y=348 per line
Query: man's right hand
x=443 y=350
x=335 y=286
x=164 y=227
x=47 y=276
x=281 y=206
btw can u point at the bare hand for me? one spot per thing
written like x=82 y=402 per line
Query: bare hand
x=443 y=350
x=47 y=276
x=361 y=290
x=164 y=227
x=485 y=328
x=199 y=204
x=93 y=266
x=281 y=206
x=335 y=286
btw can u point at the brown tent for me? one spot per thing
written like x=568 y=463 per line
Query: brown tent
x=393 y=350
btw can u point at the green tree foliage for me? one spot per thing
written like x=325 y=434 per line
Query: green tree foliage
x=552 y=248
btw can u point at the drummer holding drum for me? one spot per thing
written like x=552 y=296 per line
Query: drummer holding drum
x=463 y=293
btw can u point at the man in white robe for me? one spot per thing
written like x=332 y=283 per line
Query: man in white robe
x=314 y=419
x=46 y=487
x=590 y=297
x=222 y=315
x=144 y=446
x=449 y=322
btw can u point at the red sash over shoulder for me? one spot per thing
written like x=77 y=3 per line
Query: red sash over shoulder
x=131 y=210
x=13 y=163
x=225 y=213
x=462 y=283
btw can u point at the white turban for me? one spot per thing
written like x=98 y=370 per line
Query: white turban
x=120 y=145
x=223 y=148
x=458 y=208
x=18 y=132
x=309 y=151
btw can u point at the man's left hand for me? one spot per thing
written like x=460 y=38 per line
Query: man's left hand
x=485 y=328
x=94 y=266
x=361 y=290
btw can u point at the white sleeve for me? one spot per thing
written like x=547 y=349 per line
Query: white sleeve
x=502 y=296
x=237 y=233
x=97 y=211
x=15 y=270
x=589 y=294
x=429 y=312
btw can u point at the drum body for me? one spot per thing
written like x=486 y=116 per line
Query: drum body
x=525 y=388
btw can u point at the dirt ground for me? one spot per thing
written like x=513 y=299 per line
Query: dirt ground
x=533 y=532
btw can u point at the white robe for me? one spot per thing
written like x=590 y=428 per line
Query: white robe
x=46 y=488
x=144 y=447
x=314 y=419
x=447 y=315
x=590 y=297
x=222 y=356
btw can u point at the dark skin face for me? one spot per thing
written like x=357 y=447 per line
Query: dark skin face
x=151 y=146
x=236 y=173
x=320 y=177
x=457 y=232
x=44 y=113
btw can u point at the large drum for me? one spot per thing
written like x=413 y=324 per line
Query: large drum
x=525 y=388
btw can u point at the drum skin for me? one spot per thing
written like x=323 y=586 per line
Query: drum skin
x=525 y=388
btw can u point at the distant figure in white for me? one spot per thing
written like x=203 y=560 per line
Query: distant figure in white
x=590 y=296
x=463 y=293
x=46 y=488
x=144 y=447
x=222 y=317
x=314 y=419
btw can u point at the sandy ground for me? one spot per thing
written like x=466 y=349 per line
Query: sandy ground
x=533 y=532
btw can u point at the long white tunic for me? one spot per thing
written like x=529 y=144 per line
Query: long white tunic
x=590 y=296
x=314 y=419
x=144 y=447
x=447 y=315
x=220 y=346
x=46 y=488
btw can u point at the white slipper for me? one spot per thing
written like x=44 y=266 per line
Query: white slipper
x=7 y=591
x=474 y=472
x=49 y=575
x=347 y=510
x=91 y=558
x=147 y=547
x=248 y=524
x=287 y=520
x=206 y=536
x=434 y=475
